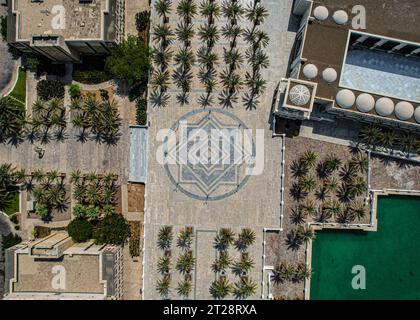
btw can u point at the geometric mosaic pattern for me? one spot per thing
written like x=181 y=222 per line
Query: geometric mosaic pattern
x=209 y=154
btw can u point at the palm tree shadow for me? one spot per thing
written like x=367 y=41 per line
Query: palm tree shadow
x=183 y=98
x=159 y=99
x=249 y=101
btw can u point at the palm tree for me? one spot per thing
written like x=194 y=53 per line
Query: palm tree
x=185 y=239
x=245 y=239
x=299 y=169
x=307 y=183
x=408 y=142
x=162 y=57
x=371 y=135
x=222 y=263
x=165 y=237
x=184 y=288
x=210 y=10
x=283 y=272
x=256 y=14
x=209 y=34
x=308 y=208
x=163 y=34
x=346 y=216
x=244 y=288
x=186 y=9
x=332 y=162
x=388 y=139
x=162 y=285
x=243 y=265
x=358 y=210
x=164 y=265
x=232 y=32
x=348 y=172
x=224 y=239
x=185 y=58
x=298 y=216
x=184 y=32
x=233 y=58
x=186 y=262
x=302 y=272
x=232 y=10
x=221 y=288
x=309 y=158
x=330 y=209
x=294 y=240
x=160 y=80
x=306 y=233
x=163 y=8
x=356 y=187
x=360 y=163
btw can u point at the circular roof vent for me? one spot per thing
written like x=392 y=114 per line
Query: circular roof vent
x=417 y=114
x=404 y=110
x=345 y=98
x=340 y=17
x=365 y=102
x=329 y=75
x=310 y=71
x=300 y=95
x=384 y=107
x=321 y=13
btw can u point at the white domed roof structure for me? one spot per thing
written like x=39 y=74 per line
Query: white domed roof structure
x=365 y=102
x=340 y=17
x=417 y=114
x=300 y=95
x=321 y=13
x=345 y=98
x=384 y=107
x=310 y=71
x=329 y=75
x=404 y=110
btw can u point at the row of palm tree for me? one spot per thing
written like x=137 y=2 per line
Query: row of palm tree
x=164 y=242
x=10 y=178
x=206 y=57
x=233 y=11
x=162 y=55
x=288 y=272
x=256 y=56
x=331 y=210
x=12 y=120
x=375 y=137
x=185 y=58
x=222 y=288
x=99 y=120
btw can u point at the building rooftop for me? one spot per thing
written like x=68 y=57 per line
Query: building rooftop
x=56 y=267
x=382 y=59
x=74 y=20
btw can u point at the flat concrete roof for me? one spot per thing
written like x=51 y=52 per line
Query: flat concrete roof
x=82 y=20
x=325 y=43
x=82 y=274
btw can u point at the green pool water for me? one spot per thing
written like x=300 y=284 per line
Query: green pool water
x=390 y=256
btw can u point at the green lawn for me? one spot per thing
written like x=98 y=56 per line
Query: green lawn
x=14 y=204
x=19 y=91
x=390 y=256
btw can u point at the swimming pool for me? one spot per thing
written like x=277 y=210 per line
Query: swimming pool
x=382 y=73
x=390 y=256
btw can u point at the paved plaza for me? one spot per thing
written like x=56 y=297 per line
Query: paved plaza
x=256 y=204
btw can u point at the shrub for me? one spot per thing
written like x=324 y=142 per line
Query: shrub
x=141 y=111
x=142 y=20
x=49 y=89
x=74 y=91
x=112 y=229
x=10 y=240
x=41 y=210
x=91 y=76
x=80 y=230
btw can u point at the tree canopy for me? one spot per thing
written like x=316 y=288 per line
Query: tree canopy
x=130 y=60
x=112 y=229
